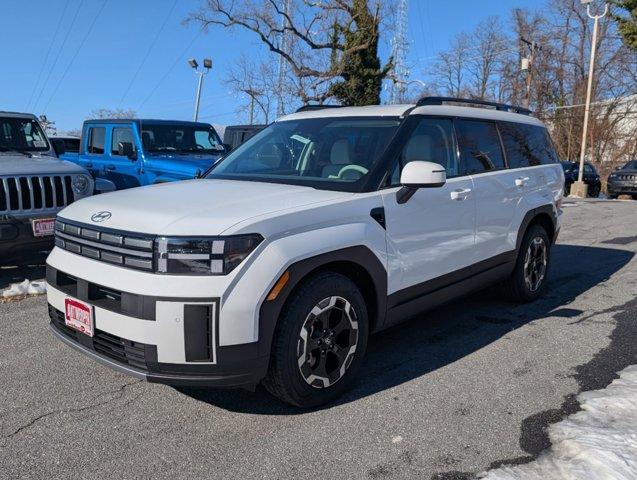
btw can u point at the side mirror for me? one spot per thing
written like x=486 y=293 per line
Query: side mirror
x=58 y=147
x=419 y=174
x=125 y=149
x=104 y=186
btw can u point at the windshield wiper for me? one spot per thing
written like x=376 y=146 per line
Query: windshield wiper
x=9 y=150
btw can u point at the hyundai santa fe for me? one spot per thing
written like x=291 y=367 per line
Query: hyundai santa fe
x=327 y=226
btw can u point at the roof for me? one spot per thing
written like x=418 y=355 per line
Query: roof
x=412 y=109
x=148 y=121
x=18 y=114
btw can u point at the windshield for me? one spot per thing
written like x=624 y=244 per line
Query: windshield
x=632 y=165
x=21 y=135
x=180 y=139
x=329 y=153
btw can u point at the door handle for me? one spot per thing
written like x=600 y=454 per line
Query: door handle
x=521 y=181
x=110 y=167
x=460 y=194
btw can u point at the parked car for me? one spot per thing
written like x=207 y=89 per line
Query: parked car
x=34 y=186
x=329 y=225
x=623 y=181
x=235 y=135
x=131 y=153
x=65 y=146
x=591 y=177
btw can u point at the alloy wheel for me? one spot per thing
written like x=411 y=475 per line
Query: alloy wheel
x=535 y=262
x=327 y=342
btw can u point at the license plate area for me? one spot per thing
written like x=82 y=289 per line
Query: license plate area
x=79 y=316
x=43 y=227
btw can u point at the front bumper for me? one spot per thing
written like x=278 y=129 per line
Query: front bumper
x=16 y=238
x=622 y=188
x=170 y=340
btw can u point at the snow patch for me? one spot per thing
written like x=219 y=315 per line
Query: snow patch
x=26 y=287
x=597 y=443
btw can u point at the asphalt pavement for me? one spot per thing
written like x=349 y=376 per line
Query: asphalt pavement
x=459 y=390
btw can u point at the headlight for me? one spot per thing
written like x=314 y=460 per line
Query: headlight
x=81 y=184
x=203 y=255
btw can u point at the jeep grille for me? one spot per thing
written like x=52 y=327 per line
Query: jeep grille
x=35 y=194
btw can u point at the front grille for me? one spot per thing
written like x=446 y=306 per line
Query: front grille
x=627 y=177
x=115 y=348
x=35 y=193
x=119 y=248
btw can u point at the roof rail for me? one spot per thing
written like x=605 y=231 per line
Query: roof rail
x=470 y=101
x=309 y=108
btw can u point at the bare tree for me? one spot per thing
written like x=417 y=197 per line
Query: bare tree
x=47 y=125
x=112 y=113
x=486 y=57
x=329 y=48
x=449 y=71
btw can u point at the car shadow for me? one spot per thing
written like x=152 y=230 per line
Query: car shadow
x=448 y=333
x=32 y=267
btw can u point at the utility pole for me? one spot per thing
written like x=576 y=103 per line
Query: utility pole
x=528 y=65
x=579 y=188
x=207 y=64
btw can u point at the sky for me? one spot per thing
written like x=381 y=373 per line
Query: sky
x=65 y=58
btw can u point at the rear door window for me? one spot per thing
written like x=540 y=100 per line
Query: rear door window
x=480 y=147
x=96 y=140
x=527 y=145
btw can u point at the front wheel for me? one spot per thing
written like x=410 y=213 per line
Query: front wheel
x=528 y=280
x=319 y=342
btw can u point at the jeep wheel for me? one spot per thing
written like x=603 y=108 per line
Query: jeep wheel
x=319 y=341
x=528 y=280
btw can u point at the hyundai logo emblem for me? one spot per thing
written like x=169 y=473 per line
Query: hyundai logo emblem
x=101 y=216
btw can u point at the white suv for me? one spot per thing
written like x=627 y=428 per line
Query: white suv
x=327 y=226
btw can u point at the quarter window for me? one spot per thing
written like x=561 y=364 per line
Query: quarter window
x=480 y=148
x=96 y=140
x=527 y=145
x=121 y=135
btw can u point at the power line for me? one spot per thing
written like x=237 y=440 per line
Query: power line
x=161 y=80
x=150 y=48
x=57 y=57
x=88 y=32
x=48 y=52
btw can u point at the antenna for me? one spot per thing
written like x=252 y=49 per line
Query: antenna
x=400 y=47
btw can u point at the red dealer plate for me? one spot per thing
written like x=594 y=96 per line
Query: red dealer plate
x=43 y=227
x=79 y=316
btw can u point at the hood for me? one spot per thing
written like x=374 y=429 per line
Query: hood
x=626 y=171
x=193 y=158
x=193 y=207
x=18 y=164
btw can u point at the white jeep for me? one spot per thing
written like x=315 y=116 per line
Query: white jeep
x=327 y=226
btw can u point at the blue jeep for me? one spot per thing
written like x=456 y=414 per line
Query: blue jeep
x=135 y=152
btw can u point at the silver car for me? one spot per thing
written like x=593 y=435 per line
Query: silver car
x=34 y=185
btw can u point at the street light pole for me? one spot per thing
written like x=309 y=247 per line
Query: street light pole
x=207 y=64
x=580 y=189
x=196 y=116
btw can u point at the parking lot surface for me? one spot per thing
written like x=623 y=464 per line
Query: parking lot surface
x=461 y=389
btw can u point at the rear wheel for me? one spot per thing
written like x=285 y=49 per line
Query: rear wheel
x=528 y=280
x=319 y=342
x=594 y=192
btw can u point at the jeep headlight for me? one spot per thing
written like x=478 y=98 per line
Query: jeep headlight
x=81 y=184
x=203 y=255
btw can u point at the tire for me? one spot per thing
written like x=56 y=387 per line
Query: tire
x=300 y=329
x=516 y=286
x=594 y=192
x=612 y=197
